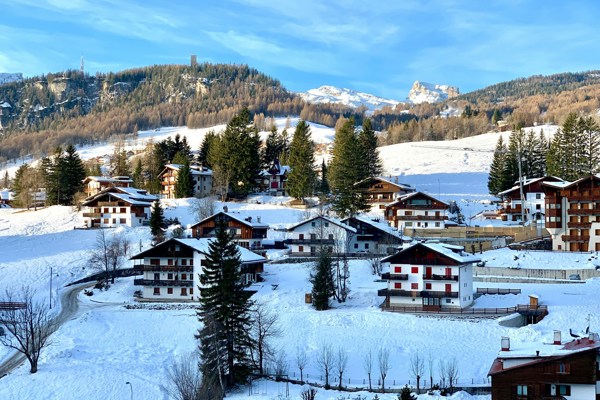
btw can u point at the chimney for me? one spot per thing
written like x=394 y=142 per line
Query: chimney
x=225 y=209
x=557 y=338
x=258 y=219
x=505 y=343
x=537 y=353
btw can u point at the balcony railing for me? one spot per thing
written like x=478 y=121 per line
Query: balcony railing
x=394 y=277
x=92 y=215
x=420 y=217
x=434 y=277
x=153 y=282
x=109 y=204
x=575 y=238
x=418 y=207
x=579 y=225
x=164 y=268
x=311 y=241
x=415 y=293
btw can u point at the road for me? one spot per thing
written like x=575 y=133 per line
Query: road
x=69 y=310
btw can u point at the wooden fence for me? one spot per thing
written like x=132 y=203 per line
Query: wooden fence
x=498 y=291
x=520 y=308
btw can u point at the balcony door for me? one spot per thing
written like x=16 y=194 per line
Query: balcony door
x=428 y=272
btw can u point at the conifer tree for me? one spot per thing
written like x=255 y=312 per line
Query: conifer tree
x=348 y=198
x=225 y=306
x=5 y=180
x=74 y=172
x=203 y=155
x=590 y=145
x=273 y=147
x=324 y=183
x=370 y=161
x=302 y=178
x=184 y=186
x=157 y=220
x=323 y=287
x=137 y=176
x=496 y=176
x=55 y=178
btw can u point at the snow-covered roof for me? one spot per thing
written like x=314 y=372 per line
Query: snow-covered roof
x=108 y=179
x=328 y=219
x=283 y=169
x=403 y=186
x=527 y=182
x=133 y=196
x=382 y=226
x=5 y=104
x=196 y=170
x=248 y=220
x=454 y=252
x=202 y=245
x=408 y=196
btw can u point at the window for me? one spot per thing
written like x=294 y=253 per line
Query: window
x=183 y=277
x=366 y=245
x=563 y=368
x=122 y=220
x=313 y=224
x=563 y=390
x=397 y=270
x=156 y=277
x=437 y=224
x=414 y=270
x=191 y=291
x=428 y=286
x=170 y=290
x=122 y=210
x=169 y=276
x=414 y=286
x=448 y=301
x=397 y=285
x=326 y=224
x=300 y=249
x=183 y=291
x=184 y=262
x=301 y=236
x=522 y=390
x=356 y=245
x=408 y=224
x=170 y=261
x=331 y=236
x=538 y=196
x=156 y=291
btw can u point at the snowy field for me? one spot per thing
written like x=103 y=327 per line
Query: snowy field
x=108 y=345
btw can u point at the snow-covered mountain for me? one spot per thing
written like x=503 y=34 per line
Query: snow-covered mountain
x=10 y=77
x=423 y=92
x=348 y=97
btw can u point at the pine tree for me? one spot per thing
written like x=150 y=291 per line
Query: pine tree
x=226 y=307
x=344 y=173
x=5 y=180
x=184 y=186
x=19 y=186
x=137 y=176
x=323 y=287
x=157 y=220
x=74 y=174
x=590 y=145
x=203 y=155
x=324 y=183
x=302 y=177
x=56 y=178
x=496 y=176
x=273 y=147
x=565 y=154
x=370 y=161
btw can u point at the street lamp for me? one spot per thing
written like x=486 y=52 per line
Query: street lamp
x=130 y=387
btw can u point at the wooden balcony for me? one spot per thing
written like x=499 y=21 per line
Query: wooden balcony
x=315 y=242
x=109 y=204
x=434 y=277
x=153 y=282
x=394 y=277
x=420 y=218
x=418 y=207
x=579 y=225
x=575 y=238
x=92 y=215
x=416 y=293
x=578 y=197
x=164 y=268
x=439 y=294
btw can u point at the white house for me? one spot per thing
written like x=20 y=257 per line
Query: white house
x=429 y=276
x=116 y=206
x=307 y=237
x=172 y=270
x=374 y=236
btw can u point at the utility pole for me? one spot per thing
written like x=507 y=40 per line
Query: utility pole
x=51 y=288
x=521 y=184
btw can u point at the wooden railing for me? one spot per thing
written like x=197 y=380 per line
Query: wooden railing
x=498 y=291
x=434 y=277
x=394 y=277
x=420 y=218
x=468 y=311
x=164 y=268
x=575 y=238
x=152 y=282
x=416 y=293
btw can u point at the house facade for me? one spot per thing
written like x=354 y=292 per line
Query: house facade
x=309 y=236
x=381 y=190
x=573 y=214
x=172 y=270
x=201 y=176
x=374 y=237
x=247 y=231
x=415 y=211
x=532 y=206
x=273 y=180
x=95 y=184
x=117 y=206
x=429 y=276
x=552 y=370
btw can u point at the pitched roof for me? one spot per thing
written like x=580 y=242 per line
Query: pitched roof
x=202 y=246
x=133 y=196
x=409 y=196
x=107 y=179
x=328 y=219
x=381 y=226
x=564 y=185
x=195 y=169
x=399 y=185
x=238 y=217
x=526 y=182
x=453 y=252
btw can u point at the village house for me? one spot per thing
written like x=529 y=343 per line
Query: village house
x=430 y=277
x=247 y=232
x=552 y=370
x=381 y=190
x=308 y=236
x=95 y=184
x=374 y=237
x=201 y=176
x=532 y=206
x=172 y=270
x=416 y=211
x=273 y=180
x=117 y=206
x=573 y=214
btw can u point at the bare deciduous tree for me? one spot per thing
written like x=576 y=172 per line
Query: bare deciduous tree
x=204 y=207
x=185 y=378
x=368 y=366
x=325 y=361
x=430 y=365
x=309 y=393
x=109 y=253
x=280 y=364
x=301 y=361
x=29 y=327
x=341 y=362
x=442 y=373
x=375 y=264
x=383 y=359
x=417 y=368
x=452 y=372
x=264 y=328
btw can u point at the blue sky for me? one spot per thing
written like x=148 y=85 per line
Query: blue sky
x=379 y=47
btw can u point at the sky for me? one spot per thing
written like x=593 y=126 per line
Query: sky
x=379 y=47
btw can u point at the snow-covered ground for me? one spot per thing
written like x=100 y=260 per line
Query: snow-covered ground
x=108 y=345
